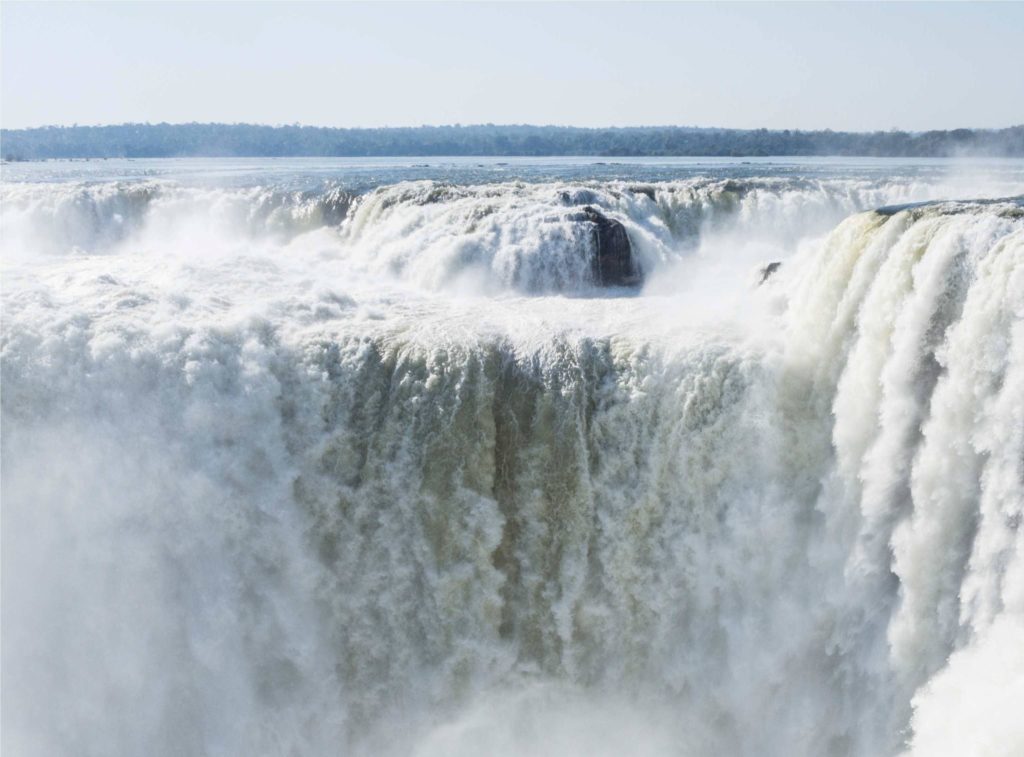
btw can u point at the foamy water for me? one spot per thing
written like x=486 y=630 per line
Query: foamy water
x=366 y=463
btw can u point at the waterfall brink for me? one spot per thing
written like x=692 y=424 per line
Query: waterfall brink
x=266 y=508
x=527 y=238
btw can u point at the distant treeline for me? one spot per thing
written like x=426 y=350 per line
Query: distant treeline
x=247 y=140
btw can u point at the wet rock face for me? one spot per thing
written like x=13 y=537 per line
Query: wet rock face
x=614 y=263
x=768 y=270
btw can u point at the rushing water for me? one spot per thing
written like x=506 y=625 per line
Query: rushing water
x=356 y=458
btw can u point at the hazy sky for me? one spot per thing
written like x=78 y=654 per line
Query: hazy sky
x=845 y=66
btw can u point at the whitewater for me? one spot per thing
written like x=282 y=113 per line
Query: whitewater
x=358 y=457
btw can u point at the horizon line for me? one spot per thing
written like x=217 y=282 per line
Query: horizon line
x=459 y=125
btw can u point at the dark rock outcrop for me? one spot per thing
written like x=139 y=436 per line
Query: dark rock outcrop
x=614 y=262
x=768 y=270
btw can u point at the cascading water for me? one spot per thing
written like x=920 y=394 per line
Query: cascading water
x=367 y=486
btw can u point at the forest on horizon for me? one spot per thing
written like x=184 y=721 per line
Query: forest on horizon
x=163 y=140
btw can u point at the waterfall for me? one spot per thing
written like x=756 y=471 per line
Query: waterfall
x=255 y=501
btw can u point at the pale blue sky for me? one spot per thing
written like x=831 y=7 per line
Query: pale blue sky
x=844 y=66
